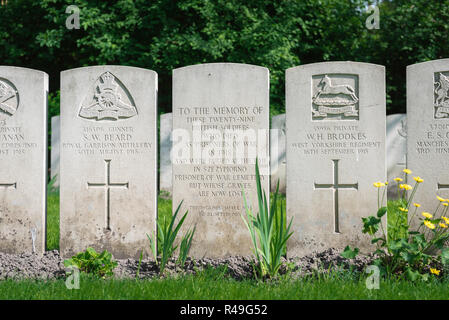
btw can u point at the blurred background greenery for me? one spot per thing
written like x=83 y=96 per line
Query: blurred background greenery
x=165 y=34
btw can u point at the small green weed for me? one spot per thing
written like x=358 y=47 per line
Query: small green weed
x=91 y=262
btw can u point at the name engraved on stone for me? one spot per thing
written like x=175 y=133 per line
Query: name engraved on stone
x=107 y=185
x=110 y=101
x=332 y=101
x=441 y=104
x=335 y=186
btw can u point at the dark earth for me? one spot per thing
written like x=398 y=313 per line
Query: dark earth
x=51 y=266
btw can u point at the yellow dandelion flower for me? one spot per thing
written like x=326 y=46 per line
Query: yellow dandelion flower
x=442 y=225
x=445 y=219
x=386 y=183
x=417 y=205
x=445 y=204
x=407 y=171
x=429 y=224
x=405 y=186
x=397 y=179
x=441 y=199
x=403 y=209
x=378 y=184
x=427 y=215
x=435 y=271
x=418 y=179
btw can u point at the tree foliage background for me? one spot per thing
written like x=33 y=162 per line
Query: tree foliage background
x=278 y=34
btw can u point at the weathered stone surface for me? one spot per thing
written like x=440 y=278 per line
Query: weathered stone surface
x=165 y=166
x=278 y=158
x=108 y=159
x=396 y=143
x=428 y=130
x=212 y=101
x=54 y=155
x=335 y=151
x=23 y=154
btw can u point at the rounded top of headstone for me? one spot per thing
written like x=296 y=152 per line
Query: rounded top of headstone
x=430 y=62
x=335 y=64
x=116 y=67
x=166 y=116
x=217 y=65
x=22 y=69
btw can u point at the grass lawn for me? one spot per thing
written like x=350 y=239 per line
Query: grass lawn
x=212 y=284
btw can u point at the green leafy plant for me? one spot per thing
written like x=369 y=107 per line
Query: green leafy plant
x=407 y=250
x=166 y=236
x=139 y=265
x=186 y=243
x=91 y=262
x=51 y=188
x=269 y=234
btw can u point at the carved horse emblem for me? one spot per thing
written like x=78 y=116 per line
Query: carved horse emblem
x=335 y=100
x=326 y=87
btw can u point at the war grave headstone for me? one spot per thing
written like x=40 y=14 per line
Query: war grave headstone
x=54 y=152
x=428 y=130
x=23 y=154
x=220 y=125
x=165 y=166
x=335 y=115
x=396 y=144
x=277 y=153
x=108 y=182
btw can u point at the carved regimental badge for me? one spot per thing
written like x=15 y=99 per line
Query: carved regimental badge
x=9 y=99
x=335 y=97
x=110 y=100
x=403 y=130
x=441 y=98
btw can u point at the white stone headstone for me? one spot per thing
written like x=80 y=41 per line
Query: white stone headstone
x=217 y=102
x=108 y=159
x=428 y=130
x=277 y=153
x=165 y=166
x=54 y=154
x=335 y=152
x=396 y=144
x=23 y=154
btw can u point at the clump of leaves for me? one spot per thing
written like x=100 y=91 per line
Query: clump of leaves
x=91 y=262
x=167 y=233
x=407 y=251
x=268 y=232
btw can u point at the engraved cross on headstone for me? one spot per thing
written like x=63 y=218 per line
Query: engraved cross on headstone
x=335 y=186
x=8 y=185
x=442 y=186
x=107 y=185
